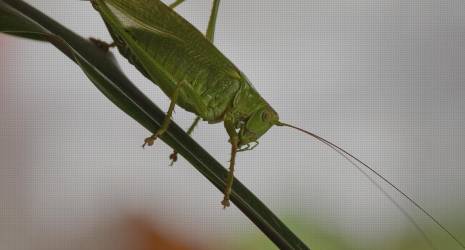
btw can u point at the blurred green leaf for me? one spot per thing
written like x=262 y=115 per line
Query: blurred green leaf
x=20 y=19
x=308 y=231
x=403 y=238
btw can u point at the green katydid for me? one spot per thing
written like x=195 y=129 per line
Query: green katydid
x=189 y=69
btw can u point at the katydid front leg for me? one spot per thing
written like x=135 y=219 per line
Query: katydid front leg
x=229 y=180
x=230 y=125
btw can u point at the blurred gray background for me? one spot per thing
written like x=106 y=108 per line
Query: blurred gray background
x=382 y=79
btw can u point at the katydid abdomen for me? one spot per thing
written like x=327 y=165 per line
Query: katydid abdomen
x=178 y=54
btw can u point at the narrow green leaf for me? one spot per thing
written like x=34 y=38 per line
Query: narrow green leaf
x=21 y=19
x=14 y=23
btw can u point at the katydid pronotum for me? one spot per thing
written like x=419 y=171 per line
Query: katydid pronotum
x=196 y=76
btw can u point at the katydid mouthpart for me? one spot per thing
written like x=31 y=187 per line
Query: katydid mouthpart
x=196 y=76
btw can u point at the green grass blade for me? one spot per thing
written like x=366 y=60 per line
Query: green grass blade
x=14 y=23
x=103 y=71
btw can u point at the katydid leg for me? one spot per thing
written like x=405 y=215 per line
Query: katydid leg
x=174 y=155
x=175 y=4
x=229 y=180
x=230 y=125
x=166 y=122
x=102 y=44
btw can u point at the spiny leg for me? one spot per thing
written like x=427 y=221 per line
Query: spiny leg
x=166 y=122
x=230 y=178
x=230 y=125
x=101 y=44
x=174 y=155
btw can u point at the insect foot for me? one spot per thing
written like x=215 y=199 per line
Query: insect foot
x=101 y=44
x=150 y=140
x=173 y=157
x=225 y=203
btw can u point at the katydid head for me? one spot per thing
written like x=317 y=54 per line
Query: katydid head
x=258 y=123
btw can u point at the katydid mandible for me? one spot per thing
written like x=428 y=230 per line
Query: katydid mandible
x=196 y=76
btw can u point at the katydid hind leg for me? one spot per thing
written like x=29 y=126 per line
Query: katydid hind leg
x=176 y=3
x=102 y=44
x=174 y=155
x=166 y=122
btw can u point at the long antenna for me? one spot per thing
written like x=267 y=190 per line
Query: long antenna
x=348 y=155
